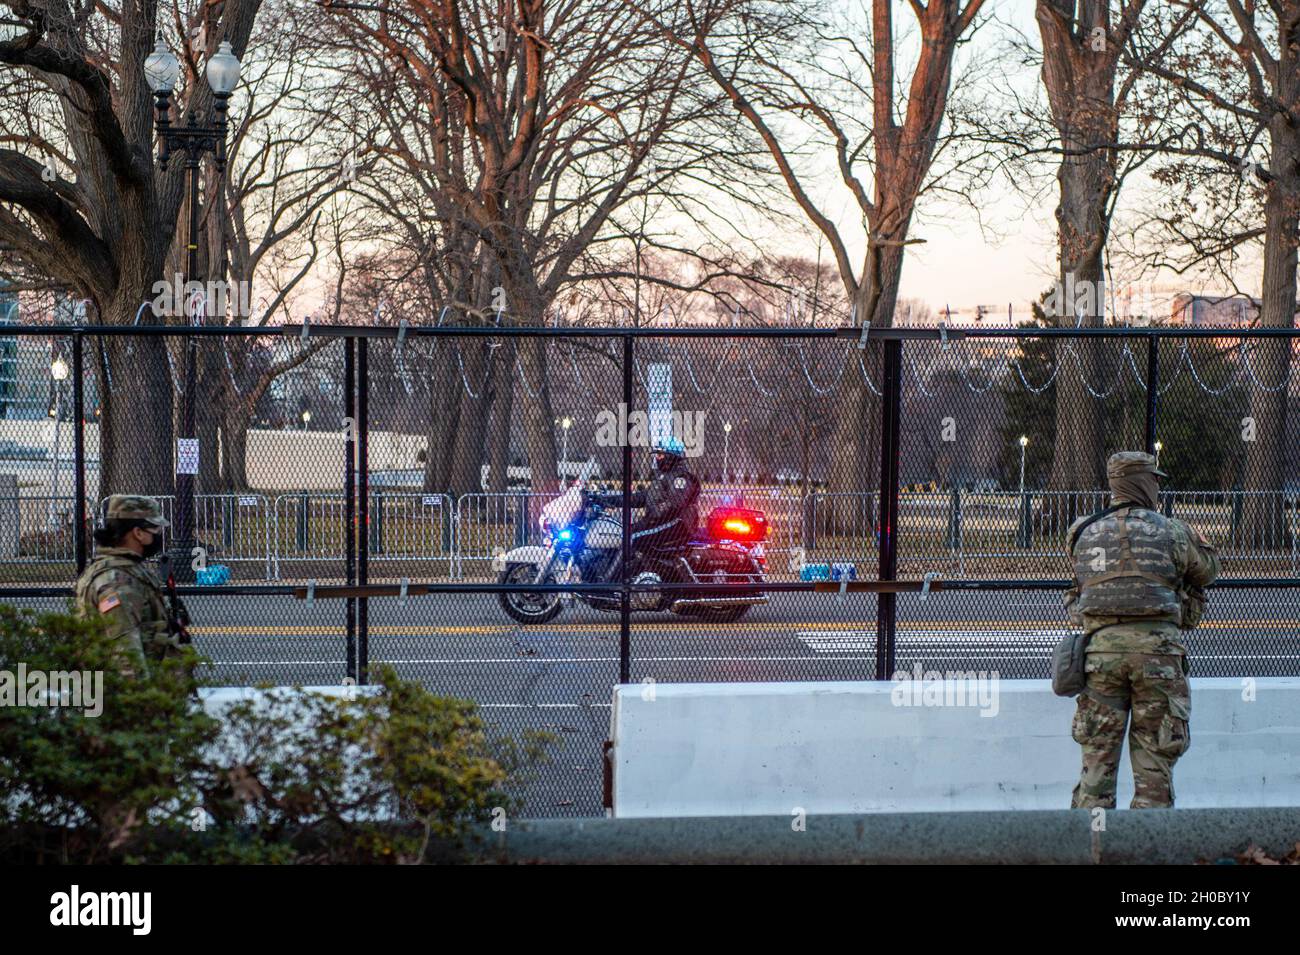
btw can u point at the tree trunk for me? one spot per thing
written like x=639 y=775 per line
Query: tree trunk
x=1079 y=76
x=1263 y=525
x=444 y=387
x=466 y=464
x=213 y=391
x=855 y=455
x=503 y=390
x=234 y=447
x=539 y=419
x=135 y=387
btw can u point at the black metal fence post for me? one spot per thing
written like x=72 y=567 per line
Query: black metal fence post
x=1153 y=383
x=349 y=499
x=377 y=522
x=954 y=519
x=79 y=455
x=625 y=607
x=363 y=502
x=302 y=538
x=890 y=416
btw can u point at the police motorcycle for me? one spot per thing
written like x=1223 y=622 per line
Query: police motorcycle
x=582 y=541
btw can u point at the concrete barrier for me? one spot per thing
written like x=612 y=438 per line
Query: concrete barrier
x=728 y=749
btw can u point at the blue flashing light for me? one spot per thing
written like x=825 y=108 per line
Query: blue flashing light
x=566 y=534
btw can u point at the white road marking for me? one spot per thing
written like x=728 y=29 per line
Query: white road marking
x=532 y=659
x=830 y=641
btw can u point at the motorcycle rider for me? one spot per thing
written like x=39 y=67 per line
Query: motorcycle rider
x=669 y=501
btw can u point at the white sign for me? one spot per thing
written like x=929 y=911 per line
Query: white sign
x=187 y=455
x=195 y=306
x=659 y=400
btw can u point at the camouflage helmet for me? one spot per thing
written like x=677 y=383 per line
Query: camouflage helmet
x=1125 y=463
x=134 y=507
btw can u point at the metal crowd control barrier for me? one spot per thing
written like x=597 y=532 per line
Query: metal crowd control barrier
x=956 y=526
x=841 y=526
x=403 y=526
x=1220 y=516
x=412 y=526
x=231 y=528
x=489 y=524
x=37 y=529
x=308 y=527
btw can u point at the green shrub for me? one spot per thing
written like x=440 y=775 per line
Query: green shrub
x=398 y=775
x=81 y=788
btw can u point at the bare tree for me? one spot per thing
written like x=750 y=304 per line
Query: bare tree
x=1237 y=79
x=82 y=200
x=791 y=72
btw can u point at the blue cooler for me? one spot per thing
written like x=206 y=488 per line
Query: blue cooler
x=815 y=572
x=213 y=575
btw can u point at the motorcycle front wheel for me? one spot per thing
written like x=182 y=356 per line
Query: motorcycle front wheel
x=526 y=607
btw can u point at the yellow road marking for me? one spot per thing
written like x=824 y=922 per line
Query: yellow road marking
x=992 y=626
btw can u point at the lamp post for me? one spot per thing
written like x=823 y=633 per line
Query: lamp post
x=194 y=139
x=59 y=372
x=1024 y=442
x=1023 y=531
x=565 y=424
x=1158 y=446
x=306 y=419
x=726 y=448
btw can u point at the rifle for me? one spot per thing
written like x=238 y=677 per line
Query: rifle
x=178 y=618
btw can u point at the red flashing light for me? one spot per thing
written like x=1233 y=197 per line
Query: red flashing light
x=737 y=524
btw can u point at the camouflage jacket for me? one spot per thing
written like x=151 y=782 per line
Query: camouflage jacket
x=1164 y=546
x=119 y=585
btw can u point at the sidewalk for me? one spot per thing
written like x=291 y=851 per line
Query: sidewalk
x=1055 y=837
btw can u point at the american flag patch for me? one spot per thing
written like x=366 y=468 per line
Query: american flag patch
x=109 y=602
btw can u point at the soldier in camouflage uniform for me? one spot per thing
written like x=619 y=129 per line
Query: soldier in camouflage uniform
x=121 y=586
x=1139 y=580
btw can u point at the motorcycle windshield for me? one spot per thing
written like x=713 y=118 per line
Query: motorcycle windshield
x=564 y=508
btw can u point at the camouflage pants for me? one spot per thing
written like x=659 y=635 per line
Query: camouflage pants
x=1156 y=691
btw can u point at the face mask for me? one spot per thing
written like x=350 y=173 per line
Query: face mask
x=154 y=547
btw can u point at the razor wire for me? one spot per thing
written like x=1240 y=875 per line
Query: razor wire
x=523 y=378
x=803 y=361
x=1245 y=361
x=867 y=378
x=1191 y=364
x=1178 y=369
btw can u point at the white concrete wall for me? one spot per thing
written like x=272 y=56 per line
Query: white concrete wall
x=277 y=460
x=766 y=748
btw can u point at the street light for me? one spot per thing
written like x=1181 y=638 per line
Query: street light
x=306 y=418
x=565 y=424
x=726 y=448
x=1024 y=442
x=194 y=139
x=1159 y=445
x=59 y=372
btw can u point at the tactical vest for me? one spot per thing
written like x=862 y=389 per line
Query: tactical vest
x=132 y=582
x=1124 y=564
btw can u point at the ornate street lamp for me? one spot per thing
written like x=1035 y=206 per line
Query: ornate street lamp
x=194 y=139
x=59 y=372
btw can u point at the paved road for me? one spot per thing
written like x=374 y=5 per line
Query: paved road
x=557 y=677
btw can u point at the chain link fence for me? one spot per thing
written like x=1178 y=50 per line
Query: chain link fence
x=382 y=496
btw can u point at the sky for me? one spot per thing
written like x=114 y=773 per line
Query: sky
x=1003 y=252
